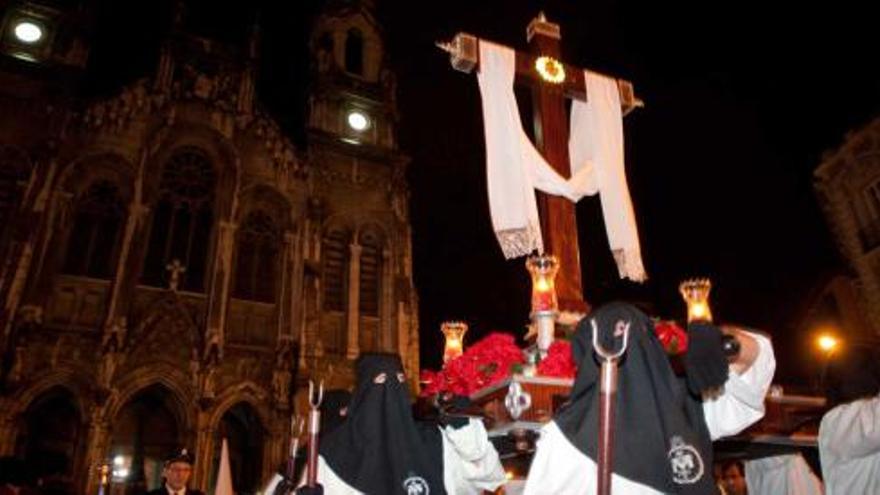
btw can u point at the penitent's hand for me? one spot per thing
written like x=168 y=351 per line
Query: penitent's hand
x=748 y=349
x=706 y=366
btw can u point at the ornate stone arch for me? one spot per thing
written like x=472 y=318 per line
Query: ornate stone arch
x=77 y=175
x=247 y=392
x=260 y=195
x=50 y=425
x=173 y=379
x=167 y=330
x=256 y=401
x=100 y=187
x=337 y=28
x=186 y=198
x=68 y=378
x=220 y=151
x=263 y=219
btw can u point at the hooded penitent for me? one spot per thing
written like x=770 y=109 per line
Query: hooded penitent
x=660 y=435
x=380 y=449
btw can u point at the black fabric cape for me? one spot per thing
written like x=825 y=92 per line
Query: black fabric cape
x=660 y=435
x=380 y=449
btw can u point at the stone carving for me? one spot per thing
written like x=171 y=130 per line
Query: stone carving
x=175 y=268
x=112 y=347
x=213 y=348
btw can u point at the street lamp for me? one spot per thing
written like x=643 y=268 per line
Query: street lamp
x=826 y=342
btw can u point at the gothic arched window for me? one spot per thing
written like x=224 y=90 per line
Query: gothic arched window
x=51 y=434
x=97 y=224
x=256 y=263
x=182 y=220
x=370 y=274
x=335 y=254
x=354 y=52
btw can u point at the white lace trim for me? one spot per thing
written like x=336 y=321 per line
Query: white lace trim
x=520 y=242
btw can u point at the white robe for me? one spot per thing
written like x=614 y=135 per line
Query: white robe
x=781 y=475
x=849 y=448
x=470 y=464
x=559 y=467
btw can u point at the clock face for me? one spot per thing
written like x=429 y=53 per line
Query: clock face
x=28 y=32
x=358 y=120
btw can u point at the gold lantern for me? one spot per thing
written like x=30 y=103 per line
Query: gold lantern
x=696 y=294
x=543 y=269
x=454 y=332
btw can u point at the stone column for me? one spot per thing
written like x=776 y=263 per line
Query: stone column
x=97 y=442
x=386 y=308
x=354 y=313
x=291 y=282
x=402 y=331
x=219 y=288
x=310 y=321
x=32 y=279
x=121 y=277
x=31 y=222
x=204 y=447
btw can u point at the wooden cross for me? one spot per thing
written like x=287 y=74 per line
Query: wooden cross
x=176 y=268
x=558 y=221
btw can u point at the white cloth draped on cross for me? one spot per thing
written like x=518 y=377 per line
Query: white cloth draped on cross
x=515 y=168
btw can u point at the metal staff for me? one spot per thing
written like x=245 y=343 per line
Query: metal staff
x=607 y=399
x=314 y=429
x=296 y=428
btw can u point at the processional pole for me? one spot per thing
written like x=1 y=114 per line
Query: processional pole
x=314 y=429
x=607 y=399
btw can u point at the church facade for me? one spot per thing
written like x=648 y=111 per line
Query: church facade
x=847 y=183
x=174 y=269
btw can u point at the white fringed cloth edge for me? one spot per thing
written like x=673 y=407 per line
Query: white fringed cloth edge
x=514 y=168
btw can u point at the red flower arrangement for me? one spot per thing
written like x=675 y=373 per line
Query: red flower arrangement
x=497 y=356
x=558 y=361
x=487 y=362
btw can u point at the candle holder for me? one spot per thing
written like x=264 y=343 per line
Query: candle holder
x=545 y=306
x=454 y=332
x=695 y=293
x=543 y=269
x=104 y=478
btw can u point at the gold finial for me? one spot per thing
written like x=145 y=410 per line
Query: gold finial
x=695 y=293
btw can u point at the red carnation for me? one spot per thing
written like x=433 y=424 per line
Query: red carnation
x=672 y=337
x=558 y=361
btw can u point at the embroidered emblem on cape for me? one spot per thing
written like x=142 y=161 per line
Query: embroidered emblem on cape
x=686 y=463
x=416 y=485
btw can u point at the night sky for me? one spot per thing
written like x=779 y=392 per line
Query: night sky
x=741 y=101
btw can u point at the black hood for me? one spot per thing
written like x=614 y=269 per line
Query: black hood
x=660 y=435
x=379 y=448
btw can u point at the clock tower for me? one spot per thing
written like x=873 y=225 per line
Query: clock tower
x=359 y=187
